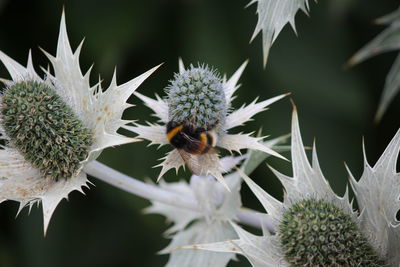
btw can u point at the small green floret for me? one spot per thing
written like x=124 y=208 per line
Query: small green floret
x=44 y=129
x=197 y=95
x=317 y=233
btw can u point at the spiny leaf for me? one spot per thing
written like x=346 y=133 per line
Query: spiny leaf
x=387 y=40
x=273 y=15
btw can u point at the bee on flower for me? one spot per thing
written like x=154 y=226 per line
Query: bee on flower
x=196 y=115
x=53 y=127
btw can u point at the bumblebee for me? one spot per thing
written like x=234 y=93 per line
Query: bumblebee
x=191 y=141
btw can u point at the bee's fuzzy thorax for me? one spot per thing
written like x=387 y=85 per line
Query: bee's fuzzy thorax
x=187 y=137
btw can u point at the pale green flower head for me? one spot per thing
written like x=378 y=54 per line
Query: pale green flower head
x=39 y=125
x=199 y=95
x=53 y=127
x=315 y=227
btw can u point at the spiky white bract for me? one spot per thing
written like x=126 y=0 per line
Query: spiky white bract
x=307 y=185
x=99 y=111
x=210 y=163
x=211 y=222
x=217 y=211
x=273 y=15
x=377 y=194
x=387 y=40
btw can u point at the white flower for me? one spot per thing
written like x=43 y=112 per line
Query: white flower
x=387 y=40
x=53 y=127
x=315 y=227
x=212 y=221
x=200 y=96
x=273 y=15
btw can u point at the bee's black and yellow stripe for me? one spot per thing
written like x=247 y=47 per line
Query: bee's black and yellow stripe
x=171 y=133
x=185 y=136
x=202 y=146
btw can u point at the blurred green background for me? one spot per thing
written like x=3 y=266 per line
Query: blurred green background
x=336 y=106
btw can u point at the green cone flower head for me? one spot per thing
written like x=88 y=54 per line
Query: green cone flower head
x=315 y=227
x=51 y=128
x=45 y=129
x=318 y=233
x=197 y=95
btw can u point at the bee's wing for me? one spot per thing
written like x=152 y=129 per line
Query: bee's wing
x=191 y=143
x=212 y=150
x=196 y=142
x=191 y=161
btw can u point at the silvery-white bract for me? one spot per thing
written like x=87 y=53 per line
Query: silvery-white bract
x=387 y=40
x=217 y=209
x=59 y=117
x=156 y=133
x=273 y=15
x=313 y=214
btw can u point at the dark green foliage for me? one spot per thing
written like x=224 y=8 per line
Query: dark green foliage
x=44 y=129
x=317 y=233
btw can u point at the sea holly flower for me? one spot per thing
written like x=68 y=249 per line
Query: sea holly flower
x=199 y=96
x=217 y=209
x=52 y=127
x=315 y=227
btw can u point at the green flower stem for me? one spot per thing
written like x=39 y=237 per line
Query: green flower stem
x=156 y=193
x=254 y=218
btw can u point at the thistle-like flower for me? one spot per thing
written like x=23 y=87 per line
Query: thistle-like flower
x=315 y=227
x=52 y=127
x=217 y=209
x=195 y=118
